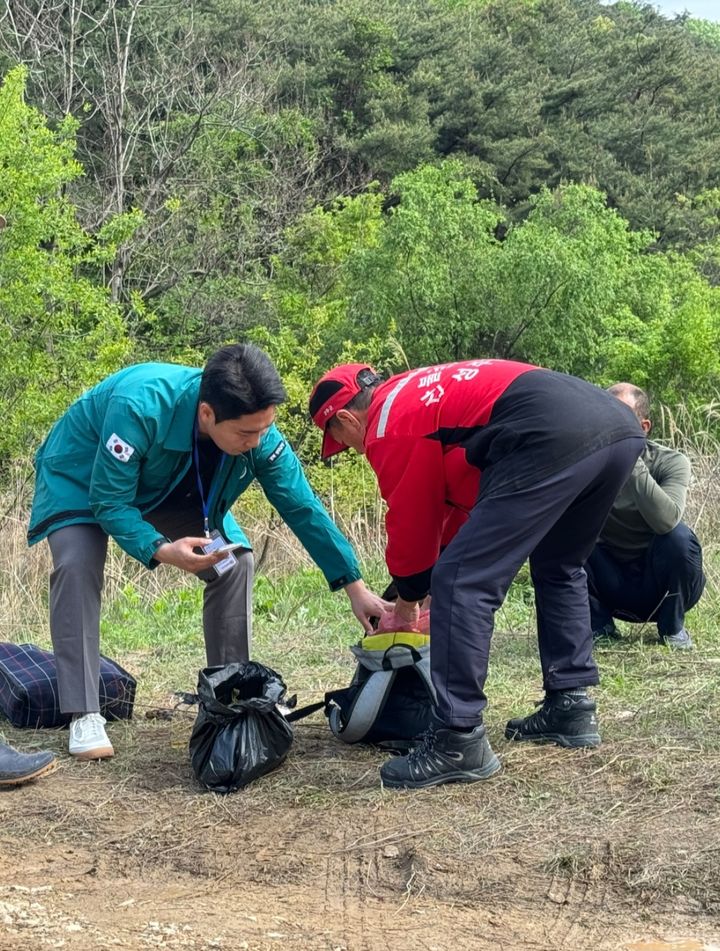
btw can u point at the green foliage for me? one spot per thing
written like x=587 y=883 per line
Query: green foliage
x=422 y=273
x=705 y=30
x=310 y=327
x=702 y=219
x=571 y=287
x=665 y=336
x=214 y=236
x=58 y=329
x=529 y=161
x=560 y=273
x=539 y=93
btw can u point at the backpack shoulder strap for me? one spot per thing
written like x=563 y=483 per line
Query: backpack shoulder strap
x=367 y=705
x=403 y=654
x=301 y=712
x=423 y=669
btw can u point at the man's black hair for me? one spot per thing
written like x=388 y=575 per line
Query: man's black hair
x=238 y=380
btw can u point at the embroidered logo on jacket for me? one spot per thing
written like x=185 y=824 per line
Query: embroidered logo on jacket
x=276 y=451
x=119 y=448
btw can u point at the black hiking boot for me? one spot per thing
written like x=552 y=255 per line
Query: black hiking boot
x=443 y=756
x=567 y=718
x=608 y=632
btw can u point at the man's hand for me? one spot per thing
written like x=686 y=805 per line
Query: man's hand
x=181 y=554
x=408 y=612
x=404 y=616
x=365 y=604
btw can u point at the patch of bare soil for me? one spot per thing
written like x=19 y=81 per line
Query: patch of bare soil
x=559 y=851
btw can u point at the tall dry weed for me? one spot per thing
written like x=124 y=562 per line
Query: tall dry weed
x=697 y=436
x=24 y=571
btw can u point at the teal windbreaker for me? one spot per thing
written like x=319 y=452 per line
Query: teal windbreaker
x=124 y=445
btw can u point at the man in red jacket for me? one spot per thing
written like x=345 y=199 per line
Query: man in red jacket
x=554 y=452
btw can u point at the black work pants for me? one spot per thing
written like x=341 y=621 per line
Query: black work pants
x=660 y=586
x=555 y=523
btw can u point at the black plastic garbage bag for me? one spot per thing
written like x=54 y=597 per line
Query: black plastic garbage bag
x=239 y=733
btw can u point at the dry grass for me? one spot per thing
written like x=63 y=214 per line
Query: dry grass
x=697 y=437
x=560 y=850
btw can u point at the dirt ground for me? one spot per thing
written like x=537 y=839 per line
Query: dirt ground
x=559 y=851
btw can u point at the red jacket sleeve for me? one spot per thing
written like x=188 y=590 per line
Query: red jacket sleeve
x=411 y=478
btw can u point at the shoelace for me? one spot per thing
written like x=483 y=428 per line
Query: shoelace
x=90 y=725
x=424 y=748
x=536 y=718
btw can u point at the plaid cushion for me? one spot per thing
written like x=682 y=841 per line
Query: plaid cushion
x=29 y=691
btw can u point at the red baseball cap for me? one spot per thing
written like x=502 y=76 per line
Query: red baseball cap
x=333 y=392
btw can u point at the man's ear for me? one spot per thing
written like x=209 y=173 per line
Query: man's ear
x=206 y=414
x=347 y=418
x=646 y=426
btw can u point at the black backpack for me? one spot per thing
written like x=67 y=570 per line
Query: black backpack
x=390 y=699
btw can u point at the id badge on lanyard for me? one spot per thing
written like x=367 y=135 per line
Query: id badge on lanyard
x=217 y=541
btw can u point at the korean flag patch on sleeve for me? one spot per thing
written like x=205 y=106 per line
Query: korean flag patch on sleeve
x=119 y=448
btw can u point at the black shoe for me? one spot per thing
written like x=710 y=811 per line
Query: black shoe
x=16 y=768
x=565 y=718
x=608 y=632
x=443 y=756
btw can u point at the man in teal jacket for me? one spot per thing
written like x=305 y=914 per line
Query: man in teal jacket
x=154 y=456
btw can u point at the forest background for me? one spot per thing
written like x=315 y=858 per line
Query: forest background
x=402 y=182
x=398 y=181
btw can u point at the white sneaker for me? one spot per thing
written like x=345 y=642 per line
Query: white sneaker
x=680 y=641
x=88 y=739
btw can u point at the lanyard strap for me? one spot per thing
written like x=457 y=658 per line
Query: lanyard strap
x=206 y=505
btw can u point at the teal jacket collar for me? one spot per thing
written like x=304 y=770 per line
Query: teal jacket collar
x=180 y=431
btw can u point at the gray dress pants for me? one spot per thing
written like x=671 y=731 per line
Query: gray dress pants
x=79 y=553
